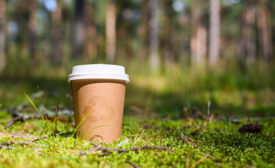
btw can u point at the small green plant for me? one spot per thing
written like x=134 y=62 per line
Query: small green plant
x=34 y=106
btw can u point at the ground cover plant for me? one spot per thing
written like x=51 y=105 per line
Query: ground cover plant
x=168 y=123
x=193 y=143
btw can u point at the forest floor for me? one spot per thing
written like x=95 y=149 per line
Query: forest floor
x=193 y=143
x=183 y=127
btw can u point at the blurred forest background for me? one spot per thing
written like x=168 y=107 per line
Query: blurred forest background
x=178 y=53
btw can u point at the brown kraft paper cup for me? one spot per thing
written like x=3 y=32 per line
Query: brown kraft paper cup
x=98 y=108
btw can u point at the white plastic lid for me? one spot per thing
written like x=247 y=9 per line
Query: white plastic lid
x=99 y=71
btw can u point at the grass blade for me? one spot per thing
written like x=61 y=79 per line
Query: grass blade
x=29 y=99
x=80 y=123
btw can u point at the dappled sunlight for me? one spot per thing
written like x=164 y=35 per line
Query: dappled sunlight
x=146 y=83
x=156 y=84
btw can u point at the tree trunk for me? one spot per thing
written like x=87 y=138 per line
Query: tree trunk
x=214 y=39
x=57 y=33
x=248 y=45
x=91 y=33
x=123 y=44
x=111 y=31
x=199 y=35
x=154 y=34
x=32 y=28
x=143 y=30
x=265 y=32
x=21 y=18
x=2 y=34
x=79 y=29
x=167 y=32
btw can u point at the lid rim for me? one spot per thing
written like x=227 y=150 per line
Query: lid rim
x=98 y=71
x=102 y=74
x=99 y=77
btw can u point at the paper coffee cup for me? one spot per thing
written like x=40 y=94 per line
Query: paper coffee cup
x=98 y=100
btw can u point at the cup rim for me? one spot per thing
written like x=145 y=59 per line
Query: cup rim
x=98 y=71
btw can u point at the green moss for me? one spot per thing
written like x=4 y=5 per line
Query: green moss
x=220 y=139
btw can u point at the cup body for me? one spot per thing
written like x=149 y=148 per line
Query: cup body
x=98 y=108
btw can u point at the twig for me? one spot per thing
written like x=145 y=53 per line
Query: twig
x=24 y=142
x=39 y=138
x=15 y=135
x=20 y=118
x=106 y=153
x=27 y=118
x=131 y=163
x=13 y=121
x=8 y=147
x=48 y=114
x=89 y=150
x=17 y=109
x=199 y=161
x=151 y=147
x=105 y=149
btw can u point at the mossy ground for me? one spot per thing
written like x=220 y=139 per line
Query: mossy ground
x=220 y=140
x=154 y=115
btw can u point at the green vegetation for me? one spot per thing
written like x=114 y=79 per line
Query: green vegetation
x=174 y=100
x=199 y=70
x=220 y=139
x=165 y=93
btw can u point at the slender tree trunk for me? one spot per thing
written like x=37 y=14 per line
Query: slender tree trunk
x=111 y=31
x=248 y=45
x=21 y=19
x=143 y=30
x=122 y=44
x=265 y=32
x=199 y=35
x=32 y=28
x=167 y=32
x=2 y=34
x=91 y=33
x=57 y=33
x=79 y=29
x=154 y=34
x=214 y=40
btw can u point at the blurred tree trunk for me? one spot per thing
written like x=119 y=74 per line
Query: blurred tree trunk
x=167 y=32
x=32 y=28
x=21 y=18
x=57 y=33
x=79 y=29
x=199 y=34
x=214 y=39
x=123 y=48
x=154 y=34
x=143 y=30
x=2 y=34
x=248 y=45
x=90 y=50
x=111 y=30
x=265 y=32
